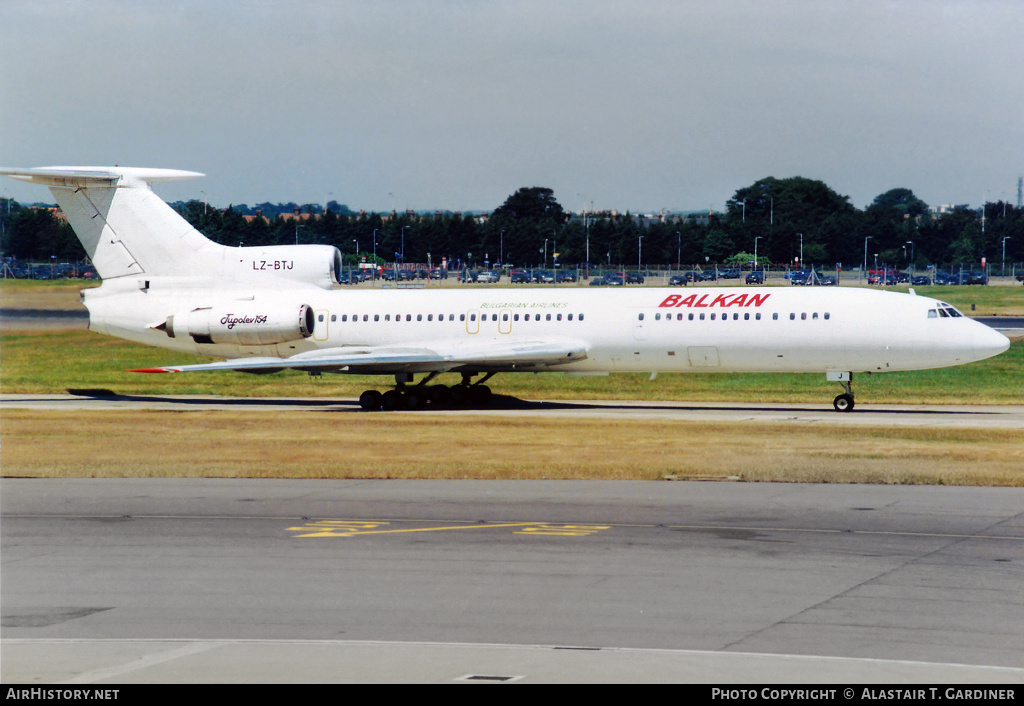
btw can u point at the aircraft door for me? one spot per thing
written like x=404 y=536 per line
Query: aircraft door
x=640 y=332
x=473 y=321
x=321 y=328
x=505 y=321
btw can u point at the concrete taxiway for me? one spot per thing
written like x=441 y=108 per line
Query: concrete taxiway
x=157 y=580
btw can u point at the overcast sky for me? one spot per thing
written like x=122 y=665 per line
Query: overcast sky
x=455 y=104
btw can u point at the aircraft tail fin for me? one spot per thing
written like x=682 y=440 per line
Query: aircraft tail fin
x=126 y=229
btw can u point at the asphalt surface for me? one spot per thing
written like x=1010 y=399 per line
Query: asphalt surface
x=155 y=580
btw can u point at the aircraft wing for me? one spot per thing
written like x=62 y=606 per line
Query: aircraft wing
x=378 y=360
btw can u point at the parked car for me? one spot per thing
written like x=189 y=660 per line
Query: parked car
x=678 y=281
x=634 y=278
x=756 y=277
x=565 y=276
x=799 y=277
x=729 y=273
x=920 y=281
x=519 y=277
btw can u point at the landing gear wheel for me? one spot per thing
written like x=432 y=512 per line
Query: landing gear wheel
x=414 y=398
x=370 y=401
x=391 y=400
x=459 y=395
x=843 y=402
x=439 y=395
x=480 y=394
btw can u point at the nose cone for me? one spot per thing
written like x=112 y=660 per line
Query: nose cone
x=987 y=342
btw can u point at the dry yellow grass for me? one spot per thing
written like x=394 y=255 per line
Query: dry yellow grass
x=353 y=445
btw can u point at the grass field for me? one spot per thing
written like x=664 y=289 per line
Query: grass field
x=354 y=445
x=55 y=361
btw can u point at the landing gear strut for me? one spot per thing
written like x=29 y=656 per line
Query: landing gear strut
x=843 y=402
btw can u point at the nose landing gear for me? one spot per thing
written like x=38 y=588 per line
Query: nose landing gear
x=843 y=402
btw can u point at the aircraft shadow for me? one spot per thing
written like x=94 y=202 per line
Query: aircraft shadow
x=496 y=403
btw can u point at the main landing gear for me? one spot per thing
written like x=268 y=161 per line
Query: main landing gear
x=843 y=402
x=408 y=396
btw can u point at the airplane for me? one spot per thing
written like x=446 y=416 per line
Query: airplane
x=266 y=309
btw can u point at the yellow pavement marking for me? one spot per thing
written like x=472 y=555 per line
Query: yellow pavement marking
x=351 y=528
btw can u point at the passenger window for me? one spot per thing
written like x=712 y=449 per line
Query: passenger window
x=826 y=316
x=334 y=317
x=746 y=316
x=570 y=317
x=559 y=317
x=803 y=316
x=702 y=316
x=419 y=317
x=548 y=317
x=494 y=317
x=713 y=317
x=462 y=317
x=376 y=317
x=504 y=317
x=515 y=317
x=657 y=317
x=735 y=317
x=690 y=317
x=408 y=317
x=320 y=318
x=775 y=316
x=430 y=317
x=344 y=318
x=792 y=316
x=640 y=317
x=472 y=317
x=757 y=316
x=581 y=317
x=814 y=315
x=366 y=317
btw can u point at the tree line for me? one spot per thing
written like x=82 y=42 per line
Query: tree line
x=777 y=218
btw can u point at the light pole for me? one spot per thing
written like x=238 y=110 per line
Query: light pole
x=297 y=233
x=639 y=255
x=755 y=250
x=1002 y=268
x=374 y=248
x=679 y=249
x=864 y=269
x=912 y=263
x=801 y=249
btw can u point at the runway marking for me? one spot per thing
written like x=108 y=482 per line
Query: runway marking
x=352 y=528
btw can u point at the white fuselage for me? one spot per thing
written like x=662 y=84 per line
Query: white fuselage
x=698 y=329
